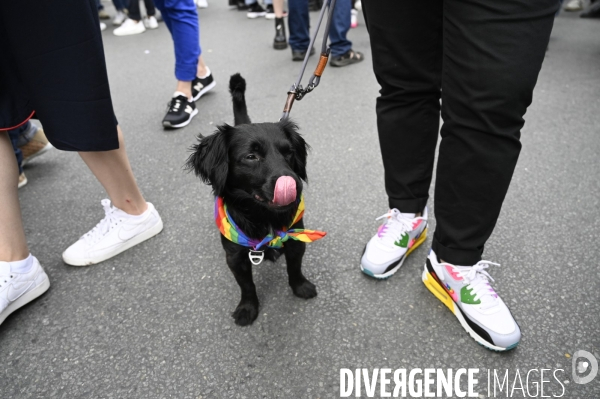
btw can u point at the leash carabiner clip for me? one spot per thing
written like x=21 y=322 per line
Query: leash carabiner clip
x=256 y=257
x=296 y=92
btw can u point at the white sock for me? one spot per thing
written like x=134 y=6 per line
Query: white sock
x=21 y=266
x=409 y=215
x=178 y=93
x=207 y=74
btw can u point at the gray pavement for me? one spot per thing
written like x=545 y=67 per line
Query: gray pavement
x=155 y=321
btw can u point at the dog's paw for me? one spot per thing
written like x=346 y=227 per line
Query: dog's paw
x=245 y=313
x=305 y=290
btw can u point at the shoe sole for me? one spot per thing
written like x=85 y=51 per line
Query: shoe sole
x=129 y=33
x=151 y=232
x=25 y=299
x=168 y=124
x=204 y=90
x=280 y=46
x=400 y=261
x=440 y=293
x=254 y=16
x=22 y=183
x=37 y=154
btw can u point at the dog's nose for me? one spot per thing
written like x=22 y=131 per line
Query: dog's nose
x=285 y=191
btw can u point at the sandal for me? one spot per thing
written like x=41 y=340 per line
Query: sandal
x=351 y=57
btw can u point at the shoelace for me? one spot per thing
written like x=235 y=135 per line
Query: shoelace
x=396 y=225
x=110 y=220
x=4 y=279
x=477 y=279
x=174 y=105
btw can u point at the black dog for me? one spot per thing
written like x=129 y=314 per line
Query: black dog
x=257 y=169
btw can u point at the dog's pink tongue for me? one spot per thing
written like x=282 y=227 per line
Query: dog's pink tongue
x=285 y=191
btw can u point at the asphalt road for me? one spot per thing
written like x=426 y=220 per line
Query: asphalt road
x=155 y=321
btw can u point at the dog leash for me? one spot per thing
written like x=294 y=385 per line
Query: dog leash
x=297 y=92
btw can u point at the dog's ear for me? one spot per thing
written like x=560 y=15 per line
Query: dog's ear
x=209 y=159
x=300 y=147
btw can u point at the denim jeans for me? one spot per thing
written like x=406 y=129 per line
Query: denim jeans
x=299 y=25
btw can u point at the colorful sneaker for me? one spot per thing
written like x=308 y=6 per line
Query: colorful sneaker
x=117 y=232
x=19 y=287
x=180 y=111
x=201 y=85
x=467 y=292
x=396 y=238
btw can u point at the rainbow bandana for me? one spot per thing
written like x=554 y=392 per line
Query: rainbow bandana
x=232 y=232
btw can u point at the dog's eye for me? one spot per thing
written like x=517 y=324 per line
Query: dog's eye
x=252 y=157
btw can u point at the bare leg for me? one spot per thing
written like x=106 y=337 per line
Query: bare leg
x=202 y=69
x=185 y=88
x=13 y=245
x=113 y=171
x=278 y=8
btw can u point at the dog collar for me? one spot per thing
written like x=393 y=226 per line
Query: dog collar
x=233 y=233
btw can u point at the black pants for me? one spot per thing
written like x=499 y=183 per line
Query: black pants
x=134 y=9
x=482 y=58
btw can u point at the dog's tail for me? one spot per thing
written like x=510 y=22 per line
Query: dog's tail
x=237 y=88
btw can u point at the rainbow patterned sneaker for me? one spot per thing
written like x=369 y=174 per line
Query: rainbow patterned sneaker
x=467 y=292
x=396 y=238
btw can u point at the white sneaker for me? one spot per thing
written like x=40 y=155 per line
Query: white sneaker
x=117 y=232
x=396 y=238
x=467 y=292
x=129 y=27
x=19 y=288
x=574 y=5
x=201 y=3
x=102 y=26
x=119 y=18
x=151 y=22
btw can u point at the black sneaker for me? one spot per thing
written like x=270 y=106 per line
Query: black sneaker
x=256 y=11
x=270 y=12
x=202 y=85
x=299 y=55
x=239 y=5
x=180 y=113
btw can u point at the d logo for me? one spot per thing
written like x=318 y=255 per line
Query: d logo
x=583 y=366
